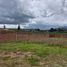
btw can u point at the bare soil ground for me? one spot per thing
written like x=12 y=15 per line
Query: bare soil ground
x=27 y=59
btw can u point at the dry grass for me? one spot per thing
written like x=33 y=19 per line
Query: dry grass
x=29 y=54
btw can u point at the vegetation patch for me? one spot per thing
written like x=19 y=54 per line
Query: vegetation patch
x=27 y=54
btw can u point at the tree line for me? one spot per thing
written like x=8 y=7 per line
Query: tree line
x=50 y=30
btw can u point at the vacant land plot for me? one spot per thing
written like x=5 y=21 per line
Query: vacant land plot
x=30 y=54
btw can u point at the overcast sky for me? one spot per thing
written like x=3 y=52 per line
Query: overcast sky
x=34 y=13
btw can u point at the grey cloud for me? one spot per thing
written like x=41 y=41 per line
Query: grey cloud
x=20 y=11
x=41 y=26
x=8 y=9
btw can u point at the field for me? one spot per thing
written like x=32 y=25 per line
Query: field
x=33 y=49
x=29 y=54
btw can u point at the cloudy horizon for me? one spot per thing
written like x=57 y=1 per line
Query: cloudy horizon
x=33 y=13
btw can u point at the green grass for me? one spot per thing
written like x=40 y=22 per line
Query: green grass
x=33 y=53
x=61 y=32
x=32 y=60
x=41 y=49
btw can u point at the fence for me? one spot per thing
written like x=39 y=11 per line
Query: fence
x=5 y=37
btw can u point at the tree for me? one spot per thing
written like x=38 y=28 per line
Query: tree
x=4 y=27
x=18 y=27
x=52 y=30
x=37 y=29
x=60 y=29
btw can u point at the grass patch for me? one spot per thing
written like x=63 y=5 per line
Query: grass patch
x=32 y=60
x=39 y=49
x=32 y=55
